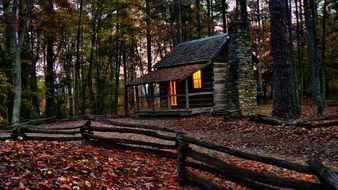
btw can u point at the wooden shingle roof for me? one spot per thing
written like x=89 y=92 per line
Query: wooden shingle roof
x=195 y=51
x=168 y=74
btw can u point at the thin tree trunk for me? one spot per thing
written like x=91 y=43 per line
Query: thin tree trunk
x=244 y=11
x=311 y=42
x=49 y=80
x=322 y=67
x=77 y=64
x=208 y=17
x=299 y=57
x=180 y=26
x=294 y=69
x=259 y=53
x=224 y=19
x=35 y=58
x=125 y=69
x=95 y=29
x=149 y=57
x=118 y=64
x=312 y=56
x=198 y=18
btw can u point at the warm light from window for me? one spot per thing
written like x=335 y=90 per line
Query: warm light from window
x=173 y=95
x=196 y=77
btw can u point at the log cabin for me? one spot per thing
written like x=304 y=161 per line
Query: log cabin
x=211 y=74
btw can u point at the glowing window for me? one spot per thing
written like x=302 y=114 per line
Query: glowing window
x=173 y=95
x=196 y=77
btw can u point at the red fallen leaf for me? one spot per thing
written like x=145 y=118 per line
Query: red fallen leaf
x=55 y=142
x=239 y=187
x=65 y=186
x=41 y=156
x=22 y=186
x=171 y=178
x=148 y=186
x=16 y=178
x=43 y=184
x=151 y=178
x=41 y=164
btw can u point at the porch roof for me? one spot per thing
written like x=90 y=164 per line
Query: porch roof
x=168 y=74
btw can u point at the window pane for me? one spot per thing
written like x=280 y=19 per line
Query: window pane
x=173 y=96
x=197 y=79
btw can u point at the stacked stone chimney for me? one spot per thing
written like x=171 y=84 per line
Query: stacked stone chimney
x=241 y=85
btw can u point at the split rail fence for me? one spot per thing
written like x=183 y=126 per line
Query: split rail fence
x=186 y=150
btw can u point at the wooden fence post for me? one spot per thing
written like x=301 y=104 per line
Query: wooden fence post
x=182 y=148
x=86 y=128
x=19 y=133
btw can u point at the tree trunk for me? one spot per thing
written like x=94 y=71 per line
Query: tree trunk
x=77 y=64
x=49 y=79
x=198 y=19
x=244 y=11
x=284 y=99
x=19 y=27
x=179 y=21
x=118 y=64
x=299 y=56
x=16 y=62
x=322 y=66
x=312 y=56
x=208 y=17
x=95 y=30
x=259 y=54
x=294 y=69
x=149 y=59
x=125 y=75
x=224 y=19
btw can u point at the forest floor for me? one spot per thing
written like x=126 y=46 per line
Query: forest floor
x=295 y=144
x=74 y=165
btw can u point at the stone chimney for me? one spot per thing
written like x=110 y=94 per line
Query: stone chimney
x=241 y=84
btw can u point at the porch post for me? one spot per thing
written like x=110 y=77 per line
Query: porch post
x=152 y=98
x=169 y=103
x=137 y=107
x=186 y=94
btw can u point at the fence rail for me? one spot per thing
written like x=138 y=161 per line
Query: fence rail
x=172 y=144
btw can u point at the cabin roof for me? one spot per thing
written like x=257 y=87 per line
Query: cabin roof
x=168 y=74
x=195 y=51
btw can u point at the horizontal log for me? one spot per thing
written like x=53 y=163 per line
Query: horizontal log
x=52 y=132
x=203 y=183
x=36 y=138
x=331 y=117
x=116 y=123
x=161 y=153
x=200 y=94
x=229 y=176
x=56 y=128
x=266 y=119
x=134 y=131
x=42 y=120
x=248 y=156
x=324 y=124
x=39 y=122
x=254 y=175
x=329 y=176
x=127 y=141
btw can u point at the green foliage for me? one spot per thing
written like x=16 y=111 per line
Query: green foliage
x=5 y=92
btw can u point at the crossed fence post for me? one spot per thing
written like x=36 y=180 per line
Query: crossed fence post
x=182 y=148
